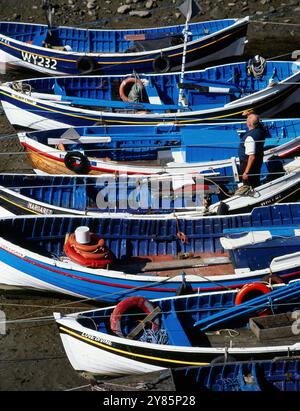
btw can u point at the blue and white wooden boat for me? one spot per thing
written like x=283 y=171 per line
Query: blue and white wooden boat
x=220 y=93
x=23 y=194
x=276 y=187
x=279 y=374
x=152 y=255
x=107 y=341
x=69 y=50
x=183 y=194
x=157 y=149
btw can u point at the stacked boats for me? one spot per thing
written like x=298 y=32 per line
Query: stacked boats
x=134 y=201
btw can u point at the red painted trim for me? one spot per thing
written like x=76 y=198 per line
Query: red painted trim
x=218 y=288
x=61 y=160
x=291 y=151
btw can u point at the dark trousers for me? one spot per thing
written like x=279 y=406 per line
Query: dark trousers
x=253 y=176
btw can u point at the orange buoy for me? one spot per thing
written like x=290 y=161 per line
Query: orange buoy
x=252 y=289
x=95 y=255
x=126 y=86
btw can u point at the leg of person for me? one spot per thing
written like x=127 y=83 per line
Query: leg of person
x=243 y=165
x=254 y=176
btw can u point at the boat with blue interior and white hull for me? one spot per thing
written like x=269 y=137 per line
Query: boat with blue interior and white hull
x=155 y=255
x=219 y=93
x=139 y=336
x=71 y=50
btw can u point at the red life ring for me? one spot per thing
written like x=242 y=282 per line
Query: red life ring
x=97 y=243
x=250 y=288
x=123 y=90
x=125 y=305
x=92 y=256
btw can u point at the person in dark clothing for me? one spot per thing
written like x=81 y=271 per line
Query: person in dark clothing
x=251 y=151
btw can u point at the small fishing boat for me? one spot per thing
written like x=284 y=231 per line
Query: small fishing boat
x=139 y=336
x=219 y=93
x=158 y=149
x=70 y=50
x=85 y=195
x=278 y=374
x=184 y=194
x=119 y=257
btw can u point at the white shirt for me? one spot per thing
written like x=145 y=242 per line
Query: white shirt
x=249 y=146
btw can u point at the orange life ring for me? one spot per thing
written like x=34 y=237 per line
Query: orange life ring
x=123 y=90
x=98 y=243
x=250 y=288
x=92 y=256
x=131 y=302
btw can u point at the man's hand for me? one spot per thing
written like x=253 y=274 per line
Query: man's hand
x=245 y=177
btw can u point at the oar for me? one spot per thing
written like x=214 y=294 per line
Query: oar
x=89 y=102
x=256 y=304
x=150 y=36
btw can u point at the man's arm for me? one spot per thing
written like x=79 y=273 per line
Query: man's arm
x=250 y=151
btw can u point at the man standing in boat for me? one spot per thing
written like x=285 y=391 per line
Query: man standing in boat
x=251 y=151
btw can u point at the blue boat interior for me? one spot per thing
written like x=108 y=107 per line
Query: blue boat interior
x=136 y=237
x=72 y=193
x=107 y=41
x=103 y=193
x=206 y=89
x=280 y=297
x=280 y=374
x=284 y=240
x=178 y=315
x=169 y=143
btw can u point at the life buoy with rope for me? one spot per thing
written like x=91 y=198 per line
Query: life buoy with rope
x=94 y=255
x=161 y=64
x=86 y=65
x=77 y=162
x=250 y=291
x=127 y=85
x=138 y=302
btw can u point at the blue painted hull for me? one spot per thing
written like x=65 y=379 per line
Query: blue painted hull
x=86 y=101
x=108 y=51
x=281 y=374
x=126 y=238
x=197 y=143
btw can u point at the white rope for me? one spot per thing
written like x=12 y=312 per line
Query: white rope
x=78 y=388
x=274 y=22
x=131 y=315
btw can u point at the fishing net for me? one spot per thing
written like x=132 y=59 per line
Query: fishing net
x=154 y=337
